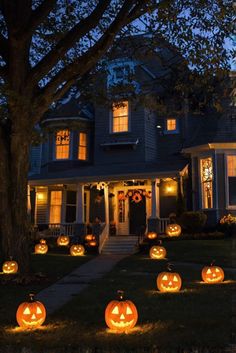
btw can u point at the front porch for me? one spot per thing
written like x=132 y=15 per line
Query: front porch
x=130 y=207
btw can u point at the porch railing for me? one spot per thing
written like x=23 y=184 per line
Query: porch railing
x=61 y=228
x=103 y=237
x=163 y=224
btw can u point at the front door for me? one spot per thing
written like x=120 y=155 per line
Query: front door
x=137 y=215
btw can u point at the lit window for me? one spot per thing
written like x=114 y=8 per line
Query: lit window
x=82 y=150
x=62 y=144
x=207 y=182
x=231 y=172
x=55 y=206
x=171 y=125
x=120 y=117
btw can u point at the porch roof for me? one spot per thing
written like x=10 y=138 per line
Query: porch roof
x=115 y=172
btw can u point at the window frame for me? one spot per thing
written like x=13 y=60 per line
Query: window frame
x=112 y=117
x=228 y=206
x=55 y=146
x=86 y=146
x=50 y=205
x=169 y=132
x=212 y=183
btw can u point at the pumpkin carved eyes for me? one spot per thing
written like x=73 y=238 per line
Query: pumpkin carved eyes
x=115 y=311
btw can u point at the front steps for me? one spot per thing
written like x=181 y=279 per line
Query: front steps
x=120 y=244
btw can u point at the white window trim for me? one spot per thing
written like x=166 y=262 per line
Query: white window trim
x=87 y=146
x=70 y=147
x=200 y=183
x=111 y=79
x=111 y=120
x=227 y=206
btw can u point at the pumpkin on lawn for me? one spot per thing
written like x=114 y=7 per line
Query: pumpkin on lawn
x=41 y=248
x=121 y=315
x=31 y=314
x=212 y=274
x=10 y=267
x=63 y=240
x=173 y=230
x=169 y=281
x=151 y=235
x=157 y=252
x=77 y=250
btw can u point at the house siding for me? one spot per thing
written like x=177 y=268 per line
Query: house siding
x=150 y=135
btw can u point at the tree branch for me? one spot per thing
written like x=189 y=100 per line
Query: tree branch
x=3 y=73
x=77 y=32
x=37 y=17
x=4 y=48
x=83 y=64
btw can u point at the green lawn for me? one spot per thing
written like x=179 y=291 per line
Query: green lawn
x=199 y=315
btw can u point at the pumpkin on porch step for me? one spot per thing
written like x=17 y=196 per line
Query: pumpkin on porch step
x=89 y=237
x=77 y=250
x=41 y=248
x=173 y=230
x=63 y=240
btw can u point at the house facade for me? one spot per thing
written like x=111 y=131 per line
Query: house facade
x=130 y=164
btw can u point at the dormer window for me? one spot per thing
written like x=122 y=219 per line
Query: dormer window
x=120 y=117
x=120 y=72
x=62 y=148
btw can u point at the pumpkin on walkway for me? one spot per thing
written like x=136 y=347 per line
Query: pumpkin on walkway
x=157 y=252
x=77 y=250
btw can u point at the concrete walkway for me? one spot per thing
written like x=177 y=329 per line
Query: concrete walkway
x=61 y=292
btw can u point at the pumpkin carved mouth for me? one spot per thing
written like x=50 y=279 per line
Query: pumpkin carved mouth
x=33 y=322
x=122 y=324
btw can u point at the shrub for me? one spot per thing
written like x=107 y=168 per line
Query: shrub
x=227 y=224
x=193 y=221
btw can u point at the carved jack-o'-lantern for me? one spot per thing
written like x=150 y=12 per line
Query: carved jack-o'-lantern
x=93 y=242
x=31 y=314
x=151 y=235
x=63 y=240
x=212 y=274
x=121 y=315
x=9 y=267
x=157 y=252
x=173 y=230
x=41 y=248
x=169 y=281
x=77 y=250
x=89 y=237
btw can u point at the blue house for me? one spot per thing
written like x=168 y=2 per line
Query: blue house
x=128 y=163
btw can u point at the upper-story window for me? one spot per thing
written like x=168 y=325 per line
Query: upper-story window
x=62 y=144
x=171 y=126
x=83 y=146
x=120 y=117
x=206 y=168
x=231 y=173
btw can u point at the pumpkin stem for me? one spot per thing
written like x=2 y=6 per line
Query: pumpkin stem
x=212 y=262
x=160 y=242
x=31 y=295
x=169 y=266
x=120 y=294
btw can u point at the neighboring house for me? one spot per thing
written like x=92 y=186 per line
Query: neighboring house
x=129 y=164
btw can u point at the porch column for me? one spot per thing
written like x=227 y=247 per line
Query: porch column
x=106 y=200
x=28 y=201
x=153 y=221
x=79 y=227
x=80 y=203
x=155 y=199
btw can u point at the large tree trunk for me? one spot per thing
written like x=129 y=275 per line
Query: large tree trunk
x=14 y=161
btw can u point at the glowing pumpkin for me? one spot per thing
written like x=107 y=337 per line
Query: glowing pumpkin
x=41 y=248
x=121 y=315
x=9 y=267
x=77 y=250
x=93 y=242
x=31 y=314
x=151 y=235
x=212 y=274
x=169 y=282
x=157 y=252
x=63 y=240
x=89 y=237
x=173 y=230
